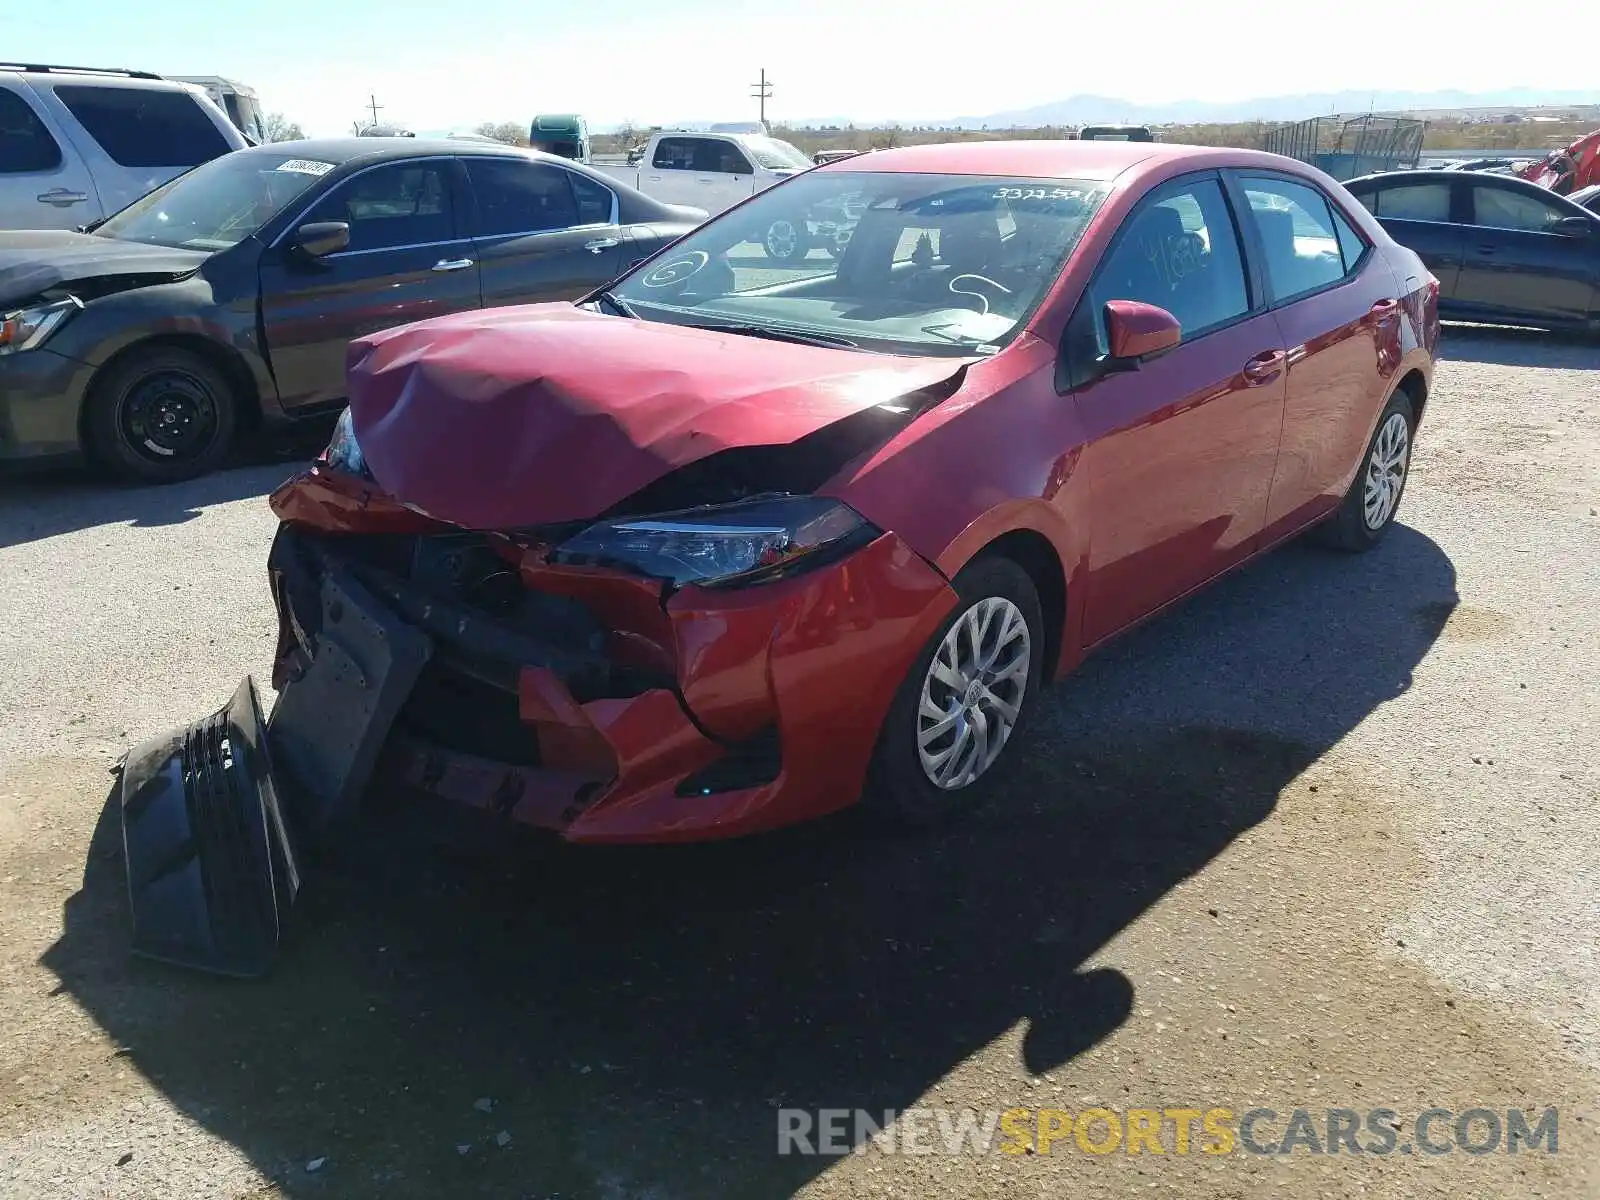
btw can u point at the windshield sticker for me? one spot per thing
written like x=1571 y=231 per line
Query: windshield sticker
x=304 y=166
x=1035 y=193
x=676 y=271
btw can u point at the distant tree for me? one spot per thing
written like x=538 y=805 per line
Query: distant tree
x=508 y=132
x=280 y=129
x=627 y=133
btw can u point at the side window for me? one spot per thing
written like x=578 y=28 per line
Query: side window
x=1503 y=208
x=1181 y=253
x=1411 y=202
x=518 y=196
x=715 y=156
x=25 y=144
x=400 y=204
x=1351 y=244
x=1298 y=238
x=675 y=154
x=594 y=200
x=144 y=127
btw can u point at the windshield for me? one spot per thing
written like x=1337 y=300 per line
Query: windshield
x=907 y=263
x=774 y=154
x=218 y=204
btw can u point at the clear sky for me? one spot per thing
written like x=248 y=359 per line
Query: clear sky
x=452 y=66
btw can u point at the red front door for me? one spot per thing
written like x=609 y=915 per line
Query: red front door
x=1180 y=450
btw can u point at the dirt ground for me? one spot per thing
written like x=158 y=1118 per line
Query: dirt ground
x=1324 y=837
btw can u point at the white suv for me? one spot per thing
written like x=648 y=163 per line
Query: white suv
x=77 y=145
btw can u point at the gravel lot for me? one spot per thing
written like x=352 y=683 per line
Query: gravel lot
x=1323 y=837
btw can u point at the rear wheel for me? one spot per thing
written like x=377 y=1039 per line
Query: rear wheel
x=1369 y=507
x=160 y=415
x=950 y=735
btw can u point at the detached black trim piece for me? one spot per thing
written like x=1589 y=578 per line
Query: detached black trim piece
x=212 y=870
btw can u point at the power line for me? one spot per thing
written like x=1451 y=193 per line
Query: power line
x=762 y=91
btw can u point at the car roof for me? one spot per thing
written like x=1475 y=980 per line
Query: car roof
x=341 y=150
x=1059 y=159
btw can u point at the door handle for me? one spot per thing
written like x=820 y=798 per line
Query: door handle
x=1265 y=366
x=1382 y=311
x=599 y=244
x=1486 y=251
x=452 y=264
x=61 y=197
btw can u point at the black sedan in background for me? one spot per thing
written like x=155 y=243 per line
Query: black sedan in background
x=1506 y=251
x=228 y=295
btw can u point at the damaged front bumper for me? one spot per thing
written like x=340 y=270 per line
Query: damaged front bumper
x=419 y=660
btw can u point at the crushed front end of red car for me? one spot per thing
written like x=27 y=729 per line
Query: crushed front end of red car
x=587 y=598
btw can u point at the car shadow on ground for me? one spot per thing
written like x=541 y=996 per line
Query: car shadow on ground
x=37 y=504
x=637 y=1016
x=1504 y=346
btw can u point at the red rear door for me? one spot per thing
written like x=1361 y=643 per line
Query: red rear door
x=1337 y=306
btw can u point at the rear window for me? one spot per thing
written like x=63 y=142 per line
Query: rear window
x=25 y=144
x=143 y=127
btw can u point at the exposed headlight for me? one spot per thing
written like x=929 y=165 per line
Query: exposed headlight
x=25 y=328
x=344 y=452
x=726 y=545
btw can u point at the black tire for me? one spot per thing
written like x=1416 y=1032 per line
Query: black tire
x=786 y=241
x=899 y=791
x=160 y=415
x=1349 y=529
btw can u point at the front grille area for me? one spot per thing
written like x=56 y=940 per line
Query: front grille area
x=225 y=822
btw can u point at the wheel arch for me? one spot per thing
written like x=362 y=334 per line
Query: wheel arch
x=1415 y=387
x=1037 y=555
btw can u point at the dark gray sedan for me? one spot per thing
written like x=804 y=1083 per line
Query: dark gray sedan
x=227 y=297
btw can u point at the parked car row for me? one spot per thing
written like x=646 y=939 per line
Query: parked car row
x=705 y=553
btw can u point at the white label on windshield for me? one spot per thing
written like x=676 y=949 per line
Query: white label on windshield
x=305 y=166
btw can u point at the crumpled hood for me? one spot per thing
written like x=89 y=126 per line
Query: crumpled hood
x=549 y=413
x=35 y=260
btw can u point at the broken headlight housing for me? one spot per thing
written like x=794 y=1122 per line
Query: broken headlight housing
x=344 y=452
x=724 y=545
x=27 y=328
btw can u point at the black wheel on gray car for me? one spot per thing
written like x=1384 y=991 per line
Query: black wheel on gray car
x=948 y=740
x=786 y=241
x=1369 y=507
x=160 y=415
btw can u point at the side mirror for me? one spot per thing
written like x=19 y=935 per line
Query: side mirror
x=1576 y=226
x=316 y=239
x=1136 y=330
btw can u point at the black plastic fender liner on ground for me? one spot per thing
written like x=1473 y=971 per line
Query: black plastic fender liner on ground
x=212 y=869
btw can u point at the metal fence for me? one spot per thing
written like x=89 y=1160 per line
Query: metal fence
x=1348 y=147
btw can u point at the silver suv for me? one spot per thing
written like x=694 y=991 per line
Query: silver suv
x=77 y=144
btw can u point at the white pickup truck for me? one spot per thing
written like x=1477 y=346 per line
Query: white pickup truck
x=715 y=171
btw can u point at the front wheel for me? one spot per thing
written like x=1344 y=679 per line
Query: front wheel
x=160 y=415
x=786 y=241
x=1369 y=507
x=950 y=735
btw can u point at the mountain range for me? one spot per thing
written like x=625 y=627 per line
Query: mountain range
x=1085 y=109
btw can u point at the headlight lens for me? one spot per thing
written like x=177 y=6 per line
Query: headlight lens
x=344 y=452
x=728 y=545
x=25 y=328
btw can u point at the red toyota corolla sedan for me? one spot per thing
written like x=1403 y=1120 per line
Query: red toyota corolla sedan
x=735 y=543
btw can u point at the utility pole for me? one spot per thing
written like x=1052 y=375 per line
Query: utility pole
x=762 y=91
x=372 y=103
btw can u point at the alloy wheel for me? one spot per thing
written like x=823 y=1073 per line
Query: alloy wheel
x=972 y=693
x=1386 y=471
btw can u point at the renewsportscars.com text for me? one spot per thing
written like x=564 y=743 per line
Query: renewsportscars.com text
x=1176 y=1130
